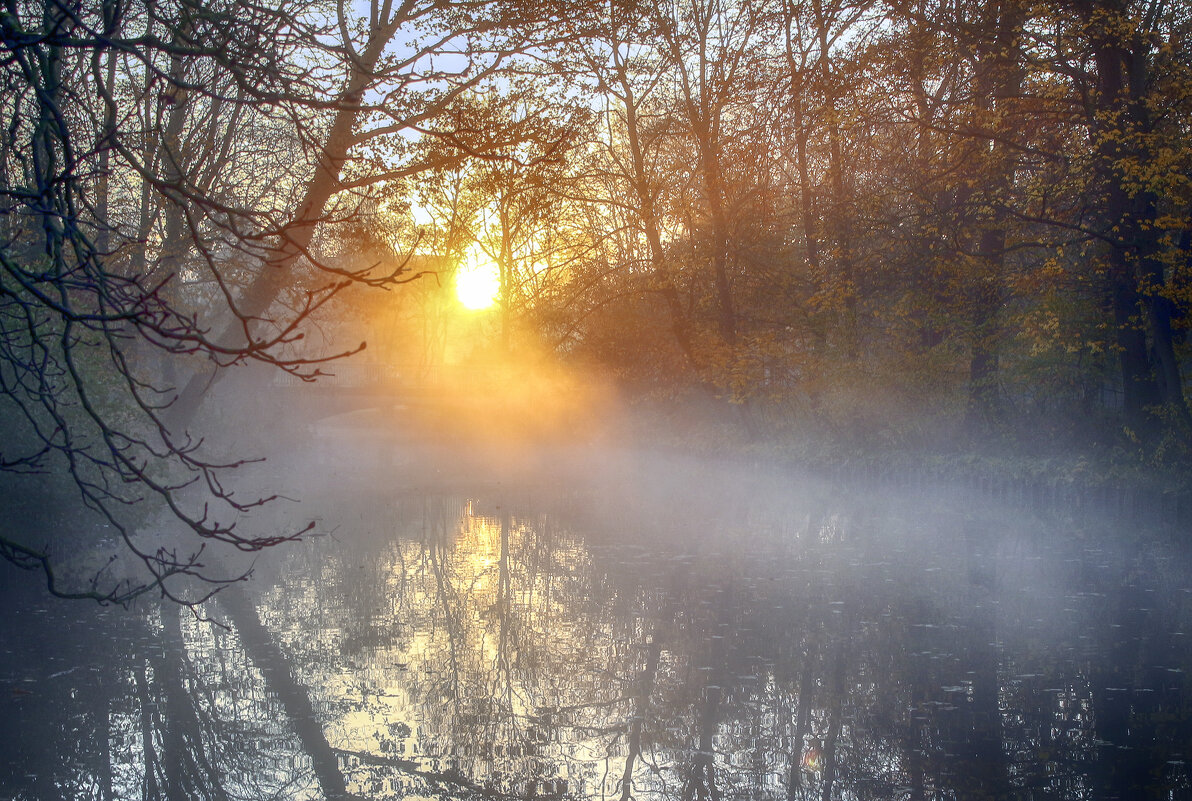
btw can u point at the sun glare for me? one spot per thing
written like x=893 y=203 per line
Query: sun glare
x=477 y=284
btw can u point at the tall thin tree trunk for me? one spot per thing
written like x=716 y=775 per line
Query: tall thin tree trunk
x=840 y=221
x=149 y=787
x=102 y=712
x=997 y=83
x=1150 y=370
x=647 y=212
x=806 y=195
x=296 y=237
x=281 y=682
x=644 y=686
x=802 y=721
x=103 y=188
x=838 y=687
x=505 y=269
x=189 y=768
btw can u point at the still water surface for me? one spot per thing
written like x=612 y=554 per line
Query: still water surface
x=717 y=635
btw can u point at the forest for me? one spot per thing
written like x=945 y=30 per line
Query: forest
x=914 y=225
x=680 y=400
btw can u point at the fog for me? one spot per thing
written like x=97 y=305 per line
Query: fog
x=694 y=400
x=496 y=571
x=551 y=607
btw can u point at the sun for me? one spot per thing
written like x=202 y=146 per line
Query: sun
x=477 y=284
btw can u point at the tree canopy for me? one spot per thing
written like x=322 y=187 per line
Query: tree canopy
x=955 y=219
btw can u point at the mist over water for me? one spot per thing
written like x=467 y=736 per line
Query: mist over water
x=695 y=400
x=568 y=615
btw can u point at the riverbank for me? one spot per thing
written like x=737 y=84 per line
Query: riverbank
x=1122 y=477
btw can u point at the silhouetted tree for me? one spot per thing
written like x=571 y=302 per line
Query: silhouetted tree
x=165 y=169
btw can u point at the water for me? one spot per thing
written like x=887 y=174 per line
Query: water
x=676 y=633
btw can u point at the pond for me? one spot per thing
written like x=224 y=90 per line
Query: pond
x=663 y=630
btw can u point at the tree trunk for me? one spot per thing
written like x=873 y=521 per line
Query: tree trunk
x=840 y=223
x=295 y=238
x=190 y=772
x=1150 y=371
x=149 y=786
x=281 y=682
x=838 y=688
x=648 y=214
x=997 y=83
x=802 y=721
x=641 y=703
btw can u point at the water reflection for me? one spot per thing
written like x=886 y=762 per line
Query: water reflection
x=791 y=646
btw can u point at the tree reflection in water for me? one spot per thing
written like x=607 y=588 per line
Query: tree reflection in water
x=452 y=648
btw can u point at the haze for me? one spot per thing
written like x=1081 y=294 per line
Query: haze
x=701 y=399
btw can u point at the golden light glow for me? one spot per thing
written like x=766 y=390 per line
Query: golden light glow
x=477 y=283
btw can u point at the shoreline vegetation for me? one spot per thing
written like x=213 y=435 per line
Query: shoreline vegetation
x=889 y=239
x=506 y=432
x=1125 y=477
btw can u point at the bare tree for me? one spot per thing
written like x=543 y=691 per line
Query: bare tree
x=164 y=173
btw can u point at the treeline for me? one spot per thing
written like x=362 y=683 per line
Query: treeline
x=975 y=213
x=866 y=214
x=178 y=182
